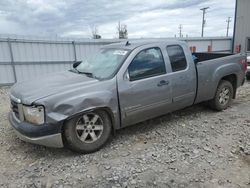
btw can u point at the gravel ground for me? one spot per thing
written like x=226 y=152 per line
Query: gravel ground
x=194 y=147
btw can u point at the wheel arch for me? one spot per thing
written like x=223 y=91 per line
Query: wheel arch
x=232 y=78
x=105 y=109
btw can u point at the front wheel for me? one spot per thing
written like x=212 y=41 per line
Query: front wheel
x=223 y=96
x=87 y=132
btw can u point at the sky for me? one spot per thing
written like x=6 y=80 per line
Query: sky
x=144 y=18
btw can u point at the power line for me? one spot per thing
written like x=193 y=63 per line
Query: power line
x=228 y=24
x=203 y=20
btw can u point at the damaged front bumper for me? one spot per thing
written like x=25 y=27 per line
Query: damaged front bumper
x=46 y=134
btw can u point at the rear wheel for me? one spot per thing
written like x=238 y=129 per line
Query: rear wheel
x=248 y=77
x=223 y=96
x=87 y=132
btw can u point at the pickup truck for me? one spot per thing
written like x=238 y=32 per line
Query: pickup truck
x=122 y=84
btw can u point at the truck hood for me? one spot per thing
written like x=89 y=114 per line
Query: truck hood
x=31 y=91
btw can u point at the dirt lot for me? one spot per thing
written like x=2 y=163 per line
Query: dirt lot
x=194 y=147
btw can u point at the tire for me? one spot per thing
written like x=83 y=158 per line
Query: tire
x=223 y=96
x=87 y=132
x=248 y=77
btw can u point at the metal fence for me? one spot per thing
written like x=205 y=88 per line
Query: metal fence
x=25 y=59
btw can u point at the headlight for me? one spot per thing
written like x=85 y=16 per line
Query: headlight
x=34 y=114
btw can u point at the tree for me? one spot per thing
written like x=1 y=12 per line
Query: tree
x=122 y=31
x=94 y=32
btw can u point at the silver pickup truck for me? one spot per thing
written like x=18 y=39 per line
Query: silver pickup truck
x=123 y=84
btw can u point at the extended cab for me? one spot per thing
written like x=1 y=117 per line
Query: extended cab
x=121 y=85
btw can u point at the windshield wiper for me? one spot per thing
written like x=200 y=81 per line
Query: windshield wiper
x=80 y=72
x=89 y=74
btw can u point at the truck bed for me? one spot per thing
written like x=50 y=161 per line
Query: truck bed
x=209 y=69
x=201 y=56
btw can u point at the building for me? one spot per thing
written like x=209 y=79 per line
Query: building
x=241 y=40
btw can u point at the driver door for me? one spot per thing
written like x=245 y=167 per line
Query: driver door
x=145 y=90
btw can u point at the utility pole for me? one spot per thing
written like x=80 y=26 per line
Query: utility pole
x=119 y=29
x=228 y=23
x=203 y=20
x=180 y=30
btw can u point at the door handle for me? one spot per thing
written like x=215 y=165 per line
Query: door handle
x=162 y=82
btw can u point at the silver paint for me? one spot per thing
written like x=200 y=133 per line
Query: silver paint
x=54 y=140
x=66 y=94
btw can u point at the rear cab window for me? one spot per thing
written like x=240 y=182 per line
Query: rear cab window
x=147 y=63
x=248 y=44
x=177 y=58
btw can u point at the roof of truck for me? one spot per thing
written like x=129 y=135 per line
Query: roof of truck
x=132 y=44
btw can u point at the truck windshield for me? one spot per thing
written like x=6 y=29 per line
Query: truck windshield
x=103 y=64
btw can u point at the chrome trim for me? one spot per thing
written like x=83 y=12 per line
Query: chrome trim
x=139 y=108
x=15 y=99
x=183 y=97
x=20 y=111
x=19 y=107
x=14 y=116
x=54 y=140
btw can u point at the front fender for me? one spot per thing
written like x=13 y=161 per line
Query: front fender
x=63 y=108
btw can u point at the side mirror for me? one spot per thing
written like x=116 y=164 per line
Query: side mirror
x=76 y=64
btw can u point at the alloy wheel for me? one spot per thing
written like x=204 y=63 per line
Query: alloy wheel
x=89 y=127
x=224 y=96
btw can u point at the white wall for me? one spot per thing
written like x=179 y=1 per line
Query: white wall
x=24 y=59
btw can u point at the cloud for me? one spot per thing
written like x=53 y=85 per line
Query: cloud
x=159 y=18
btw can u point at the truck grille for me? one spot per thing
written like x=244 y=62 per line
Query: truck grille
x=14 y=107
x=17 y=109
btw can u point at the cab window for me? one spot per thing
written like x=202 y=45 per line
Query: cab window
x=147 y=63
x=177 y=58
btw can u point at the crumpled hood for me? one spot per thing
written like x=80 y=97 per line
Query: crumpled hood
x=30 y=91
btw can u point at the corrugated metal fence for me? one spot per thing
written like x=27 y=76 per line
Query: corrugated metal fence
x=25 y=59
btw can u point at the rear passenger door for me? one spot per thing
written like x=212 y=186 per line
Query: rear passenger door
x=183 y=76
